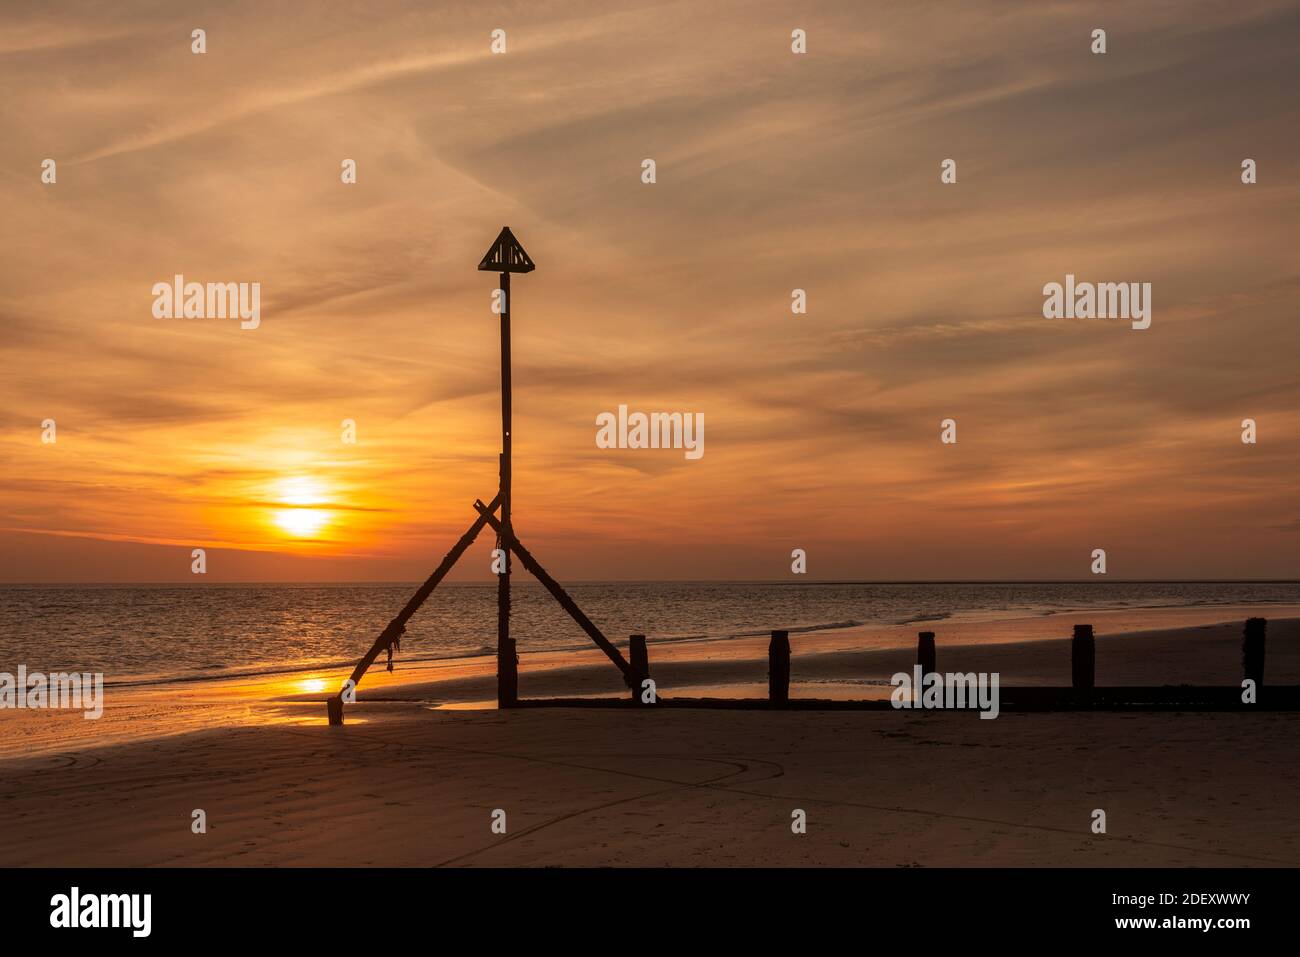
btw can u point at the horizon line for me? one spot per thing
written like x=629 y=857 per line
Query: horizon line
x=679 y=581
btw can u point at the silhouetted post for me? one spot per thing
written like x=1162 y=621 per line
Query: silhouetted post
x=640 y=660
x=1083 y=658
x=778 y=669
x=925 y=653
x=505 y=256
x=507 y=672
x=334 y=709
x=1252 y=650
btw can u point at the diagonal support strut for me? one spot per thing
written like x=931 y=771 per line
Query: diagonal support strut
x=559 y=594
x=397 y=626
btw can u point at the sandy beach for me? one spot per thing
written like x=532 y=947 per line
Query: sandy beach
x=414 y=776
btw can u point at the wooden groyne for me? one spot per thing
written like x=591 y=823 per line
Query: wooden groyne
x=1082 y=694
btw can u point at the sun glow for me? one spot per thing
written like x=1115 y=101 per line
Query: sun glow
x=302 y=522
x=301 y=519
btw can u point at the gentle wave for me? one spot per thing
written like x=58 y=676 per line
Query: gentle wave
x=138 y=634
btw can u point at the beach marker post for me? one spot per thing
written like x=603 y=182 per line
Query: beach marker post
x=640 y=660
x=1252 y=651
x=925 y=656
x=1083 y=659
x=505 y=256
x=778 y=669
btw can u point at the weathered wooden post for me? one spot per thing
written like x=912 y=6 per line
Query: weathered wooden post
x=925 y=653
x=507 y=672
x=1252 y=650
x=334 y=709
x=778 y=669
x=1083 y=658
x=640 y=660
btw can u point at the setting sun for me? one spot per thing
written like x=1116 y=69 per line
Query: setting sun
x=301 y=519
x=301 y=522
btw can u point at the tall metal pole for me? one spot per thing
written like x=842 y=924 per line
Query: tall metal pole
x=507 y=668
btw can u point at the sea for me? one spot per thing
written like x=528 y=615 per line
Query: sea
x=142 y=633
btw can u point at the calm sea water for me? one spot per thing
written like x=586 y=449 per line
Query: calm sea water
x=131 y=632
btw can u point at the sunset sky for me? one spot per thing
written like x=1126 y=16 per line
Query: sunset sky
x=775 y=171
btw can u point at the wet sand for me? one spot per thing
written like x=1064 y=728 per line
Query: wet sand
x=415 y=774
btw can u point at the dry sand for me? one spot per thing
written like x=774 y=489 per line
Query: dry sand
x=414 y=776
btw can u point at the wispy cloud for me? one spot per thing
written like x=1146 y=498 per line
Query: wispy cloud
x=775 y=172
